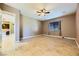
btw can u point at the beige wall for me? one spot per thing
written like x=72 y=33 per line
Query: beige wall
x=31 y=27
x=77 y=25
x=67 y=26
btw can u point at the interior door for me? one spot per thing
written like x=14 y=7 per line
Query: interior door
x=0 y=29
x=8 y=31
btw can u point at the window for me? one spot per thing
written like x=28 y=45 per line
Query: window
x=54 y=26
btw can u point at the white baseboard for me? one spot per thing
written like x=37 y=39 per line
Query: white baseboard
x=53 y=36
x=60 y=36
x=30 y=36
x=70 y=38
x=77 y=44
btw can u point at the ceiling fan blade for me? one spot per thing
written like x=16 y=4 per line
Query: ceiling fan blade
x=39 y=14
x=47 y=12
x=38 y=11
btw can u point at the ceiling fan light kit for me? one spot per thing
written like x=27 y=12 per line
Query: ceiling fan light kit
x=42 y=12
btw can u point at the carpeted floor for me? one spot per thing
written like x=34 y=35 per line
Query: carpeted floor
x=46 y=46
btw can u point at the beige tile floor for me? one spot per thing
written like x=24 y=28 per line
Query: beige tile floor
x=46 y=46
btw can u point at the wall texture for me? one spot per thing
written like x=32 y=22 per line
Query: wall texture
x=67 y=26
x=31 y=27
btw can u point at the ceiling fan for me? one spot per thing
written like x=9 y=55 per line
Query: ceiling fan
x=42 y=12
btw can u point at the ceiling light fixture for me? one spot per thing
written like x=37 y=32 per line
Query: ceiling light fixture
x=42 y=12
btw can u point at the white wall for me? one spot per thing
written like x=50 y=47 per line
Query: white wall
x=31 y=27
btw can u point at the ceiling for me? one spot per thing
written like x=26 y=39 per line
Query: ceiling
x=55 y=9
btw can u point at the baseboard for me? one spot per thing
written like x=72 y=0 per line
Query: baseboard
x=50 y=36
x=30 y=36
x=77 y=44
x=70 y=38
x=60 y=36
x=53 y=36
